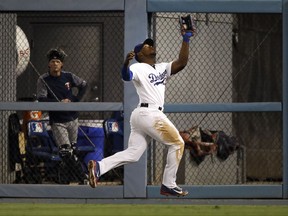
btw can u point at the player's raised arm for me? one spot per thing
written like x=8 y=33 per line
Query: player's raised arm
x=182 y=60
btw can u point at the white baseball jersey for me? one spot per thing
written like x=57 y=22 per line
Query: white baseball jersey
x=150 y=82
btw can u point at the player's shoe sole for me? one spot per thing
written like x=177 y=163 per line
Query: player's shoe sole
x=177 y=191
x=92 y=166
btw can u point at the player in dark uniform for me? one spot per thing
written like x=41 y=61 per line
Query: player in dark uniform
x=56 y=86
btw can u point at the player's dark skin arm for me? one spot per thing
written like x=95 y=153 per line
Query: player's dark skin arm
x=129 y=57
x=182 y=60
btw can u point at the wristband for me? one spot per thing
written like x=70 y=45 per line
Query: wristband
x=186 y=36
x=186 y=39
x=126 y=73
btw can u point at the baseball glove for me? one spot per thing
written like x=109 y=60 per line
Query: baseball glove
x=207 y=142
x=188 y=23
x=193 y=141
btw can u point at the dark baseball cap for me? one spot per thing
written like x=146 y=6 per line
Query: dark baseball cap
x=56 y=53
x=138 y=47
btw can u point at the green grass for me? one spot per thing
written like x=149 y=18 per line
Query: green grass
x=23 y=209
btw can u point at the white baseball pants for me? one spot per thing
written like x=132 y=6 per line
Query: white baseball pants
x=147 y=123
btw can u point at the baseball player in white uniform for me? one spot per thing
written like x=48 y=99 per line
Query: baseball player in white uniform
x=148 y=120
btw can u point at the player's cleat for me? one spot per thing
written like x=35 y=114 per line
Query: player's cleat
x=176 y=191
x=94 y=173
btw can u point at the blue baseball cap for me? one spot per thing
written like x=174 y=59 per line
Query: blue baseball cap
x=138 y=47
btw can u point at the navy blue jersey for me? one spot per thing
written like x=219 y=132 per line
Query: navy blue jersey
x=55 y=89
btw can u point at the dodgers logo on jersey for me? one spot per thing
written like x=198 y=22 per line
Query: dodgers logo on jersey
x=158 y=79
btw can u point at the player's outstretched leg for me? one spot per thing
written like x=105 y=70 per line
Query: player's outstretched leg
x=176 y=191
x=94 y=173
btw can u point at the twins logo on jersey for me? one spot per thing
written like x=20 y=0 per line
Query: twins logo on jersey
x=68 y=85
x=158 y=79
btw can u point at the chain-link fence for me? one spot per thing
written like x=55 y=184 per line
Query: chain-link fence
x=29 y=147
x=233 y=58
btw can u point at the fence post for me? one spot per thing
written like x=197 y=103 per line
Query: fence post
x=285 y=98
x=135 y=175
